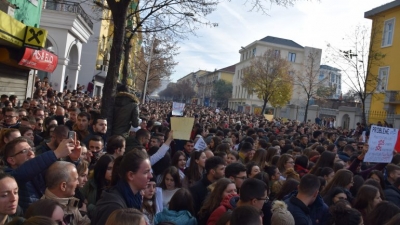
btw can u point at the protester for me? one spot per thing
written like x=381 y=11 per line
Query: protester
x=9 y=198
x=134 y=173
x=180 y=210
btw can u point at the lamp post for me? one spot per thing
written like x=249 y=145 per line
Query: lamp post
x=148 y=70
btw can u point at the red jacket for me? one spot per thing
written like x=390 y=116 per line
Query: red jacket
x=229 y=202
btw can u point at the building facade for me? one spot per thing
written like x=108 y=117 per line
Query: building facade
x=332 y=78
x=22 y=47
x=384 y=81
x=206 y=82
x=292 y=51
x=69 y=28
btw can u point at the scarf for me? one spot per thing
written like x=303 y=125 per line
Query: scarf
x=132 y=200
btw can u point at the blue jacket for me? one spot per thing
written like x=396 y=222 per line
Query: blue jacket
x=319 y=211
x=179 y=218
x=30 y=178
x=392 y=194
x=299 y=211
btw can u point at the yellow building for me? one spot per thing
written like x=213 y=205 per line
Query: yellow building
x=384 y=81
x=206 y=82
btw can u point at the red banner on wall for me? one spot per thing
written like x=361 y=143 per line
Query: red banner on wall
x=39 y=60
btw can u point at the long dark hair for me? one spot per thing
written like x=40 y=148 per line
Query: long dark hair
x=192 y=172
x=327 y=159
x=99 y=173
x=182 y=200
x=174 y=172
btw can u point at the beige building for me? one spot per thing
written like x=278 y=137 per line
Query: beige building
x=206 y=82
x=192 y=78
x=296 y=54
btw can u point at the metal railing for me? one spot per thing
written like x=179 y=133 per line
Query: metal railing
x=66 y=6
x=394 y=96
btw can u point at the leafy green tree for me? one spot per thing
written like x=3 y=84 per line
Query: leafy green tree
x=222 y=91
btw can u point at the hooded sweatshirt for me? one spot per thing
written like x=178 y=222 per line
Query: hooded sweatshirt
x=179 y=218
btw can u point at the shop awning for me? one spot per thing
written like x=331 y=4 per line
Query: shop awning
x=39 y=60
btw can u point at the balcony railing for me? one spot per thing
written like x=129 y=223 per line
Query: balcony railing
x=393 y=96
x=73 y=7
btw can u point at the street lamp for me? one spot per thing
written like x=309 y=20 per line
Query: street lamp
x=148 y=70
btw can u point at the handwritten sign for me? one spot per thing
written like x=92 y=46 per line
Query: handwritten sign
x=382 y=142
x=177 y=108
x=200 y=144
x=182 y=126
x=268 y=117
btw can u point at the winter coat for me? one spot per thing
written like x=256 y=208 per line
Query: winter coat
x=131 y=143
x=70 y=207
x=179 y=218
x=90 y=193
x=199 y=192
x=126 y=113
x=318 y=210
x=299 y=211
x=228 y=203
x=30 y=178
x=392 y=194
x=110 y=201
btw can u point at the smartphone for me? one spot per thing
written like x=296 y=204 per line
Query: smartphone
x=72 y=135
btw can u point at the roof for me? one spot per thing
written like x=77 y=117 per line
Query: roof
x=230 y=69
x=281 y=41
x=381 y=8
x=326 y=67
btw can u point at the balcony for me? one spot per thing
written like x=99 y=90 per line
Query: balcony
x=72 y=7
x=392 y=97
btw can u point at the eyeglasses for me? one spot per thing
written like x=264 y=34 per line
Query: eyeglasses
x=24 y=151
x=243 y=178
x=291 y=162
x=263 y=199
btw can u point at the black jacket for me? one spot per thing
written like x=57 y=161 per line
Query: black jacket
x=199 y=192
x=110 y=201
x=131 y=143
x=126 y=113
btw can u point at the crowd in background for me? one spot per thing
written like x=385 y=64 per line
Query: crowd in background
x=253 y=171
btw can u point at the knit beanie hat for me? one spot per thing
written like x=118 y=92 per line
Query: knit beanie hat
x=280 y=214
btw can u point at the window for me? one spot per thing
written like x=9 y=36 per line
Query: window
x=277 y=53
x=321 y=76
x=383 y=78
x=333 y=78
x=388 y=33
x=254 y=52
x=292 y=57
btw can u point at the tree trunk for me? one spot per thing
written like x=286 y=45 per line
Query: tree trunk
x=306 y=110
x=125 y=65
x=364 y=116
x=119 y=12
x=264 y=106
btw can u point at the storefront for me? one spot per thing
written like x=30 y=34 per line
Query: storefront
x=21 y=54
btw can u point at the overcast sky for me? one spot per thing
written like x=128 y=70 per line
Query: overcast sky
x=309 y=23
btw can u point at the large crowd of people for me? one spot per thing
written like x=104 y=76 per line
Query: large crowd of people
x=252 y=172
